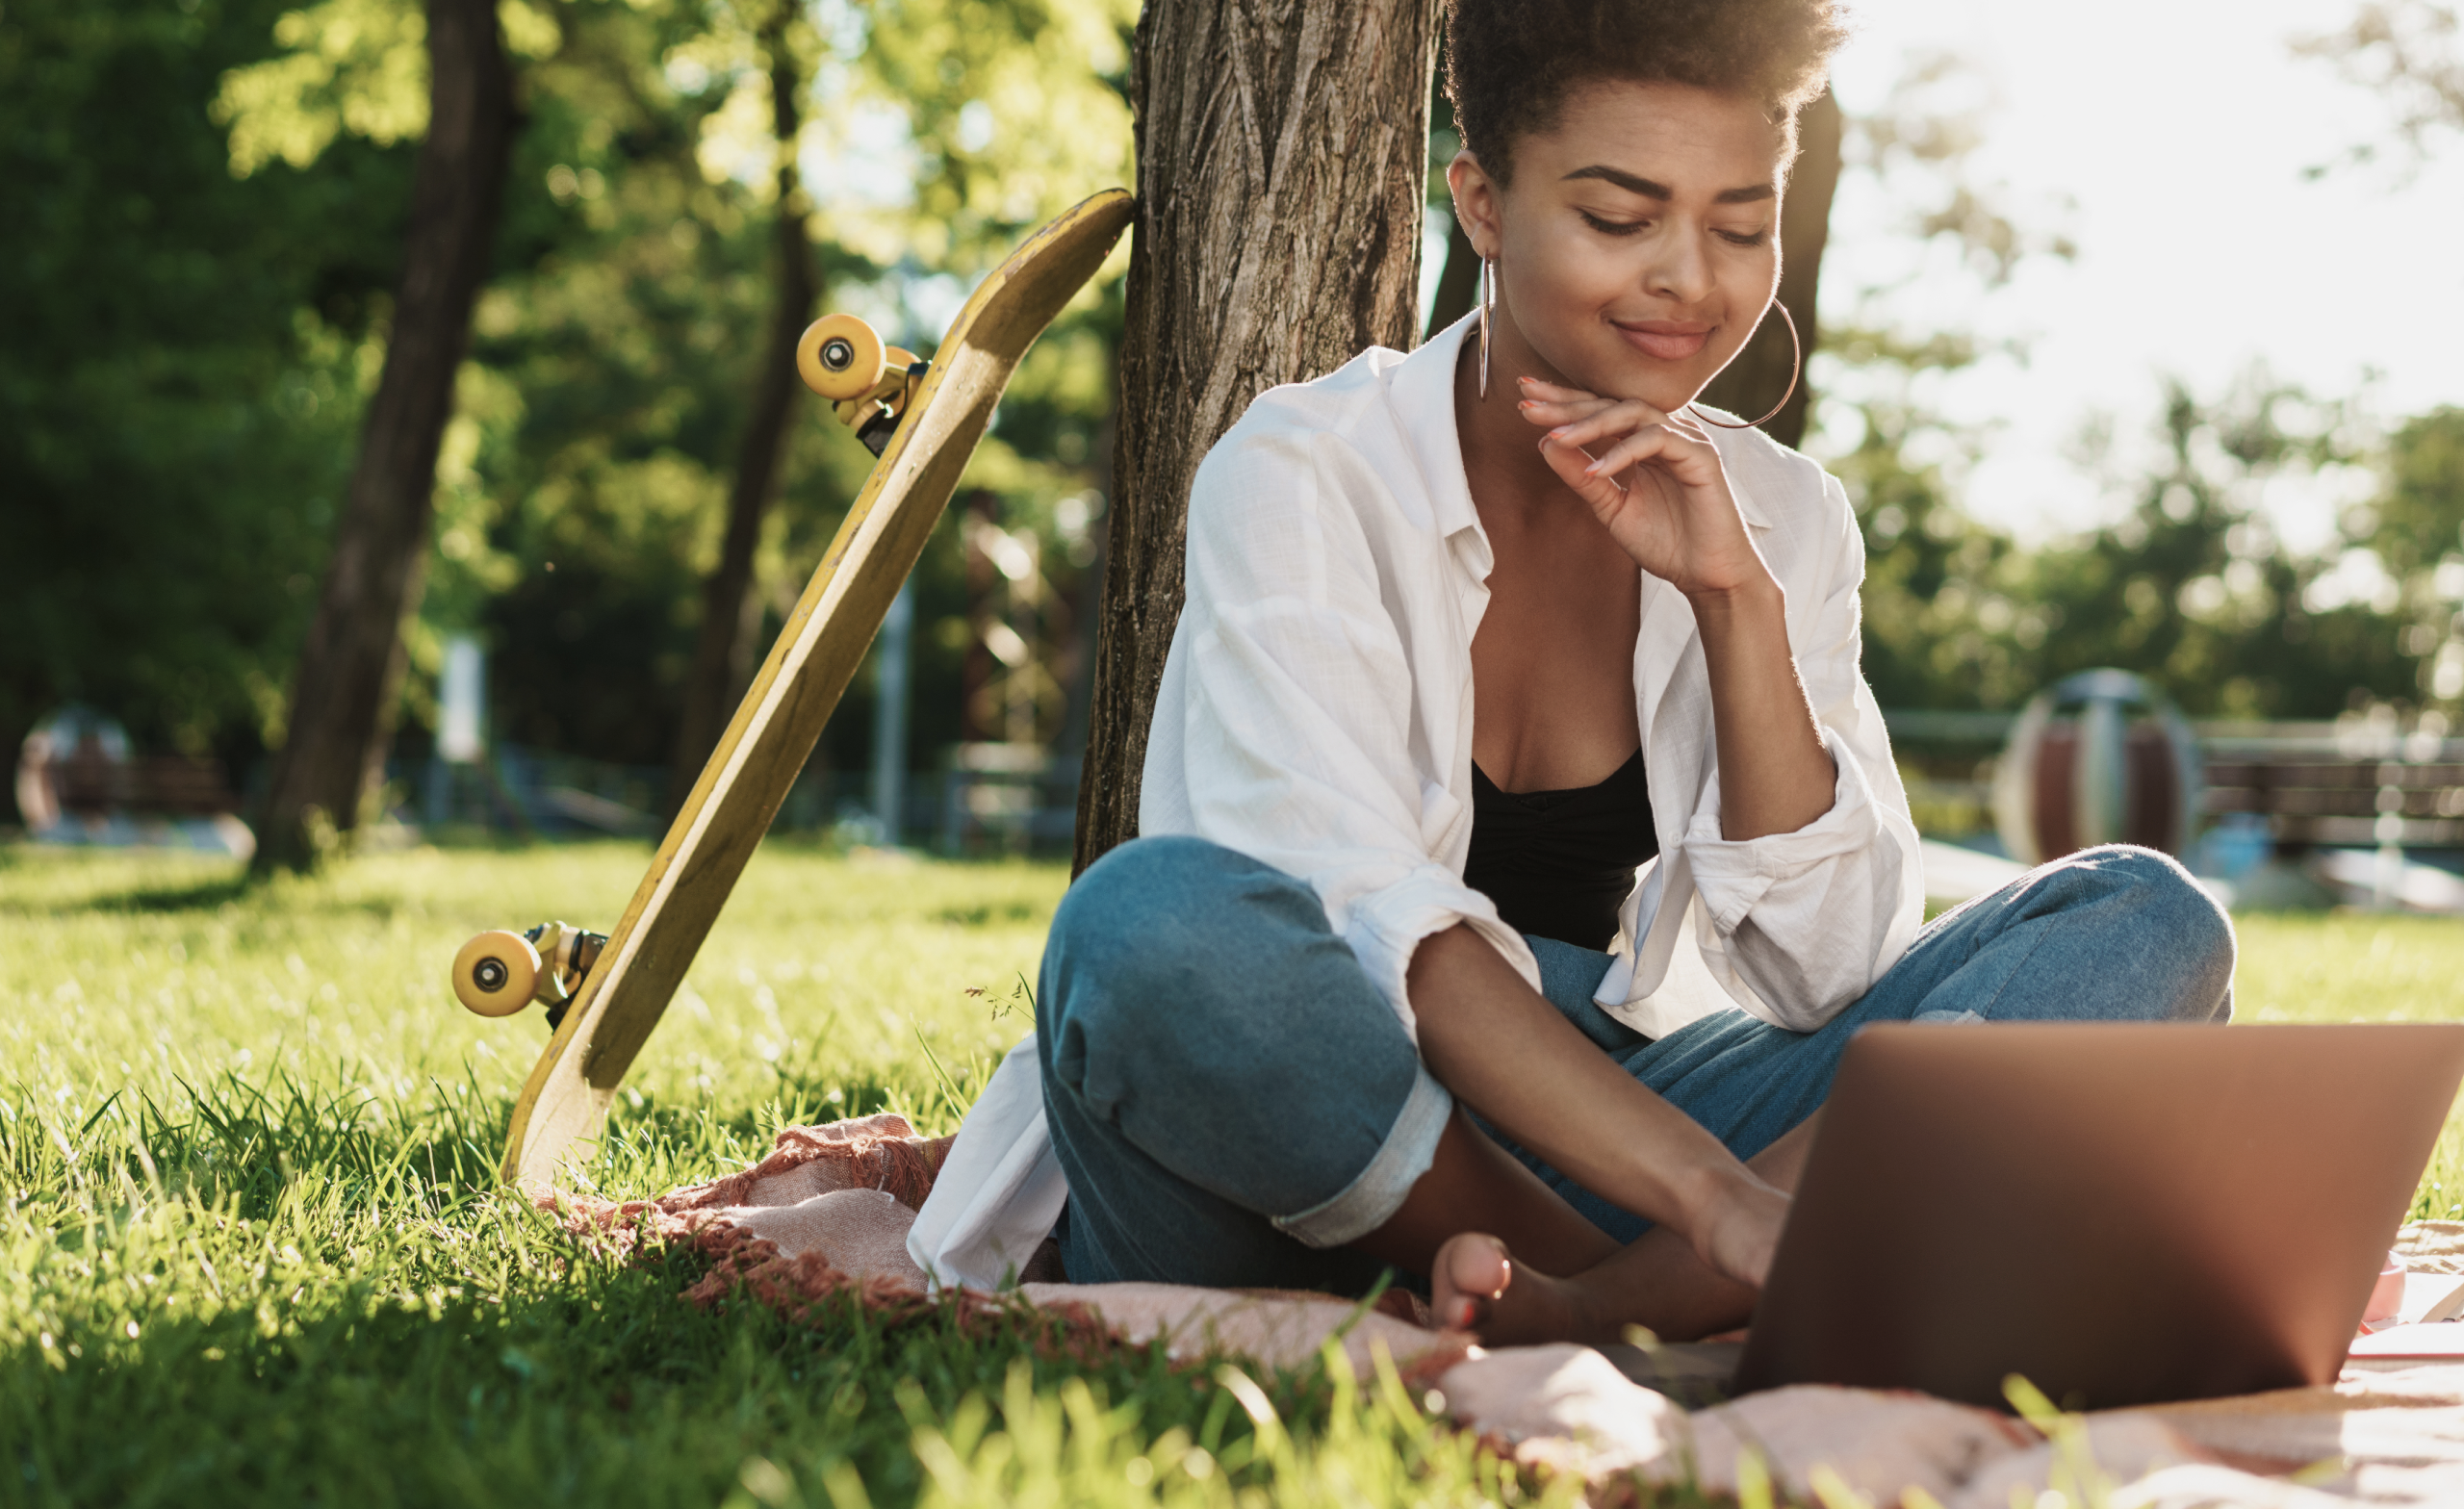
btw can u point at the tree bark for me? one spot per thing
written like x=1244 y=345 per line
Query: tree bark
x=1282 y=162
x=337 y=712
x=731 y=613
x=1755 y=381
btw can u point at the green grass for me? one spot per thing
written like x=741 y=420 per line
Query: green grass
x=251 y=1244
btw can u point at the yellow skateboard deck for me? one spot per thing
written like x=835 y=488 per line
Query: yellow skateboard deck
x=781 y=718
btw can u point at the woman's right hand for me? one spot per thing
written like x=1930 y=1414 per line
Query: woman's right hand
x=1737 y=1231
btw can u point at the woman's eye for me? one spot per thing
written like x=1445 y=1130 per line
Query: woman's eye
x=1611 y=227
x=1746 y=238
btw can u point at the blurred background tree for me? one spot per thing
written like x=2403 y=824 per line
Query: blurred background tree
x=2408 y=54
x=331 y=763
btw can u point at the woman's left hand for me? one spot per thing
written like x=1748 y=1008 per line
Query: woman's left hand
x=1653 y=479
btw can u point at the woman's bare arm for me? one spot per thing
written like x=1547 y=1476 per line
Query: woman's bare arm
x=1775 y=774
x=1506 y=1052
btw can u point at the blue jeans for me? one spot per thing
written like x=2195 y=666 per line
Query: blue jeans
x=1233 y=1101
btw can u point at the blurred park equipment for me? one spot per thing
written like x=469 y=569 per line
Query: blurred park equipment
x=78 y=781
x=350 y=669
x=2099 y=757
x=1274 y=243
x=2285 y=812
x=892 y=689
x=776 y=727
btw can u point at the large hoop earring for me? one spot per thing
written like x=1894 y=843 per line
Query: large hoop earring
x=1488 y=297
x=1796 y=367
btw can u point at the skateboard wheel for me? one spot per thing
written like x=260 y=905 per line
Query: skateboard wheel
x=840 y=357
x=496 y=973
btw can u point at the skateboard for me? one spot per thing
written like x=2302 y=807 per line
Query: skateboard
x=922 y=419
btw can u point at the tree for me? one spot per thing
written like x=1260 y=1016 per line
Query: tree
x=1282 y=151
x=2415 y=527
x=352 y=666
x=2417 y=524
x=730 y=612
x=2409 y=54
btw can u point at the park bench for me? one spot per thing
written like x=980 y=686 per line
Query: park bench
x=77 y=783
x=2333 y=784
x=2356 y=781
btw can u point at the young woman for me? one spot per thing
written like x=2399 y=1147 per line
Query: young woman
x=1522 y=844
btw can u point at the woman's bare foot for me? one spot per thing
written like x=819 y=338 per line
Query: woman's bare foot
x=1477 y=1286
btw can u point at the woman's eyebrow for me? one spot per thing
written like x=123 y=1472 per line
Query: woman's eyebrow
x=1650 y=189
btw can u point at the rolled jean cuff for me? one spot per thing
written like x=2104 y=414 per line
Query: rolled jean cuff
x=1370 y=1200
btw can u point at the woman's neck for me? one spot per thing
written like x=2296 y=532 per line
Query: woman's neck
x=1509 y=480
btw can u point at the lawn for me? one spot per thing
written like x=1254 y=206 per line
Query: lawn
x=251 y=1245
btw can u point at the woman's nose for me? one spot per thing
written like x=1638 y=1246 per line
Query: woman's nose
x=1680 y=269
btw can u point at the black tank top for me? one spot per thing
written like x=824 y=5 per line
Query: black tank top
x=1559 y=863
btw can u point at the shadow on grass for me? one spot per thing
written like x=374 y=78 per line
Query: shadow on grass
x=210 y=895
x=569 y=1380
x=201 y=896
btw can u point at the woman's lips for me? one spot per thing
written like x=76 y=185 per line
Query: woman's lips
x=1667 y=339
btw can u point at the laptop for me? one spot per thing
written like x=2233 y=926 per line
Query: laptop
x=2122 y=1214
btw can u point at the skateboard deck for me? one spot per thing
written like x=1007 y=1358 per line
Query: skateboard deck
x=817 y=652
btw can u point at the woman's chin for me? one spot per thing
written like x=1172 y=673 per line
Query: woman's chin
x=1663 y=385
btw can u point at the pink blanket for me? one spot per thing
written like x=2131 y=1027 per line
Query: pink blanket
x=827 y=1212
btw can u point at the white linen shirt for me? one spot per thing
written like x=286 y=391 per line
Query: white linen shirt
x=1316 y=713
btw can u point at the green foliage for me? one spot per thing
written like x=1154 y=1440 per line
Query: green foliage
x=1013 y=110
x=355 y=65
x=2416 y=520
x=2189 y=588
x=182 y=363
x=192 y=304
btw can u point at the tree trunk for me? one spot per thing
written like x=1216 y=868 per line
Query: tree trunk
x=1282 y=162
x=730 y=612
x=1754 y=382
x=337 y=712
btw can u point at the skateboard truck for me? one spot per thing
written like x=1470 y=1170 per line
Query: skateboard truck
x=498 y=973
x=868 y=382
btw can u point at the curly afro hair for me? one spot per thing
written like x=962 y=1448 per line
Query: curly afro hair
x=1510 y=63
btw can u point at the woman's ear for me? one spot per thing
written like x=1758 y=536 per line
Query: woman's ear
x=1475 y=203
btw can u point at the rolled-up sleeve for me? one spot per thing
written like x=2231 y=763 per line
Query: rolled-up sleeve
x=1809 y=920
x=1296 y=717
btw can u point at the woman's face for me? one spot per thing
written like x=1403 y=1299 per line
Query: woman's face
x=1639 y=242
